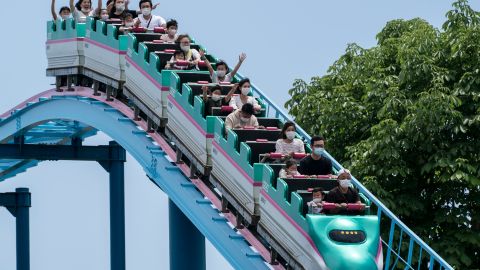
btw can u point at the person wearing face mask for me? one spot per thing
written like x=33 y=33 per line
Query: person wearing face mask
x=146 y=19
x=288 y=144
x=223 y=74
x=83 y=9
x=344 y=194
x=245 y=89
x=171 y=36
x=242 y=118
x=191 y=55
x=315 y=206
x=118 y=9
x=216 y=99
x=289 y=170
x=103 y=15
x=316 y=163
x=64 y=12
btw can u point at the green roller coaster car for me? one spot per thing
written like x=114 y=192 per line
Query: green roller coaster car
x=347 y=242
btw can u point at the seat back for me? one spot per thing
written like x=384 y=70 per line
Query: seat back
x=252 y=135
x=197 y=88
x=258 y=148
x=142 y=37
x=269 y=122
x=295 y=184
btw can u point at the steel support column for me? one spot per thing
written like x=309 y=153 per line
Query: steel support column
x=187 y=244
x=18 y=203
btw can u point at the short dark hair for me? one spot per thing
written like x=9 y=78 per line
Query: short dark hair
x=223 y=63
x=242 y=82
x=78 y=5
x=317 y=189
x=172 y=22
x=284 y=129
x=316 y=138
x=144 y=1
x=177 y=52
x=215 y=87
x=289 y=163
x=248 y=108
x=64 y=8
x=128 y=14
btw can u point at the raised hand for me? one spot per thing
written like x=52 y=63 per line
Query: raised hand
x=242 y=57
x=155 y=5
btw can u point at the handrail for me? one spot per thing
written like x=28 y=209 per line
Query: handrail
x=381 y=207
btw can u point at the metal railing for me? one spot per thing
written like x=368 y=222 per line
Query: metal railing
x=419 y=254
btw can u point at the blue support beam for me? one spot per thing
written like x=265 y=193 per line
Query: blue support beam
x=18 y=203
x=187 y=243
x=111 y=157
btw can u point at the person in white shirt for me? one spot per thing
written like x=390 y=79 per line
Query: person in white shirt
x=223 y=73
x=238 y=101
x=83 y=9
x=146 y=19
x=315 y=206
x=288 y=144
x=171 y=35
x=241 y=118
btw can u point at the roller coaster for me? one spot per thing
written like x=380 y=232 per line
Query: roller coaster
x=116 y=83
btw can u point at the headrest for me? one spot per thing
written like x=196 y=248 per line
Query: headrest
x=227 y=109
x=276 y=155
x=328 y=206
x=225 y=83
x=271 y=128
x=323 y=176
x=248 y=127
x=139 y=29
x=169 y=50
x=203 y=82
x=160 y=30
x=299 y=155
x=300 y=176
x=261 y=140
x=355 y=206
x=202 y=64
x=158 y=41
x=182 y=63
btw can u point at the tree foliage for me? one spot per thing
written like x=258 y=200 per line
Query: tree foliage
x=405 y=117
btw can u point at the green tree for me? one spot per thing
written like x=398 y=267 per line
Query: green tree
x=405 y=117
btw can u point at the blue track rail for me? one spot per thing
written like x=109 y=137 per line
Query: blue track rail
x=86 y=117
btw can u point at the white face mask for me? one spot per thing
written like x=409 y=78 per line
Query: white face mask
x=216 y=97
x=244 y=119
x=104 y=17
x=65 y=17
x=245 y=91
x=290 y=135
x=172 y=32
x=85 y=10
x=345 y=183
x=146 y=11
x=129 y=24
x=221 y=73
x=317 y=200
x=185 y=48
x=318 y=151
x=120 y=7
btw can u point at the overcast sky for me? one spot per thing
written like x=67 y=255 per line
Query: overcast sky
x=284 y=40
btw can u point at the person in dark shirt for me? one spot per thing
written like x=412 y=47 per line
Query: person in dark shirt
x=343 y=195
x=216 y=99
x=316 y=163
x=118 y=9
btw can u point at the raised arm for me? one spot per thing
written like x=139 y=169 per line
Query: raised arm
x=109 y=7
x=72 y=7
x=209 y=66
x=228 y=97
x=241 y=58
x=99 y=8
x=52 y=9
x=205 y=92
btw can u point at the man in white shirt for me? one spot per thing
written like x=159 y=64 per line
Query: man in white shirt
x=146 y=19
x=242 y=118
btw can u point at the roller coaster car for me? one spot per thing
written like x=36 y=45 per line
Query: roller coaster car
x=347 y=242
